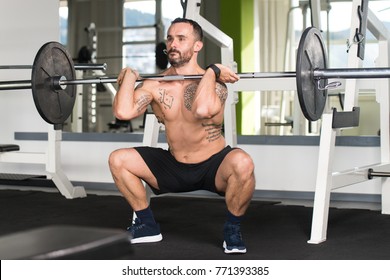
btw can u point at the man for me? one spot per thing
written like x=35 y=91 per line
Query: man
x=197 y=158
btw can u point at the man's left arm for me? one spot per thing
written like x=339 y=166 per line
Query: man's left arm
x=212 y=92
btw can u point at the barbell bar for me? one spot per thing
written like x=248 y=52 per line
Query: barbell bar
x=53 y=78
x=26 y=84
x=343 y=73
x=14 y=85
x=64 y=82
x=60 y=82
x=351 y=73
x=77 y=66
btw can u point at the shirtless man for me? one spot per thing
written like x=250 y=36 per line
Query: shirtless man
x=197 y=158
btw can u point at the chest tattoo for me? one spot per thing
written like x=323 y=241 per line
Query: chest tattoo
x=189 y=94
x=190 y=90
x=222 y=92
x=165 y=99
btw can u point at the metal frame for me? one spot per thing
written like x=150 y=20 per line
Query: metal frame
x=52 y=157
x=76 y=121
x=52 y=161
x=328 y=180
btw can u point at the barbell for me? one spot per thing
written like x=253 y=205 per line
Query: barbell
x=53 y=78
x=77 y=66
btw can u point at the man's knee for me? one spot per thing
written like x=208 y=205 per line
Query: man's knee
x=113 y=159
x=243 y=164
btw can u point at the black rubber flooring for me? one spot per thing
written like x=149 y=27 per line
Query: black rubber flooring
x=192 y=227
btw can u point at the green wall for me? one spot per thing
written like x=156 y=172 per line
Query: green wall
x=237 y=21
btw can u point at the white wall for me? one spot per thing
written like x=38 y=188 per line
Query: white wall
x=24 y=27
x=277 y=168
x=281 y=168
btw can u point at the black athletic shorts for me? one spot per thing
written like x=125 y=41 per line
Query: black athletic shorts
x=174 y=177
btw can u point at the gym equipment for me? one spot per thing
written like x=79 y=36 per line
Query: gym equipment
x=77 y=66
x=53 y=78
x=54 y=104
x=372 y=173
x=327 y=178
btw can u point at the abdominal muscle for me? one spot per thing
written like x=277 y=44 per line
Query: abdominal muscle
x=194 y=143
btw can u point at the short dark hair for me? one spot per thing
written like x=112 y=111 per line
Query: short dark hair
x=197 y=28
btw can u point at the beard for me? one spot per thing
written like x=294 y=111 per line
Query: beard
x=180 y=59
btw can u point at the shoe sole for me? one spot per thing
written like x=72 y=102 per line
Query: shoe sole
x=146 y=239
x=234 y=250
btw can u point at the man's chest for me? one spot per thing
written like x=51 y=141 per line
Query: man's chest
x=176 y=96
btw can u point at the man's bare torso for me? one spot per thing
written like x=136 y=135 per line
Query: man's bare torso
x=190 y=140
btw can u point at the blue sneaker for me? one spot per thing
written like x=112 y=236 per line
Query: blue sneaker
x=233 y=243
x=143 y=233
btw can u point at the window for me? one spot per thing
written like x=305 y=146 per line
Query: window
x=63 y=22
x=139 y=35
x=338 y=23
x=140 y=31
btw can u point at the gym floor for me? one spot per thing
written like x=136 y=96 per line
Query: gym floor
x=192 y=226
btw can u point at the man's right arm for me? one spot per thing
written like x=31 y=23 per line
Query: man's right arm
x=130 y=102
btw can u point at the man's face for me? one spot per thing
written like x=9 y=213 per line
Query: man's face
x=180 y=44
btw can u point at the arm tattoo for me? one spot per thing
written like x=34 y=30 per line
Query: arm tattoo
x=214 y=131
x=142 y=102
x=165 y=99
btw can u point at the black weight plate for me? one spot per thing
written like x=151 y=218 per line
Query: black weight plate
x=53 y=60
x=311 y=55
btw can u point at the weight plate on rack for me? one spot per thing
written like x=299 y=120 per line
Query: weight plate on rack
x=53 y=61
x=311 y=55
